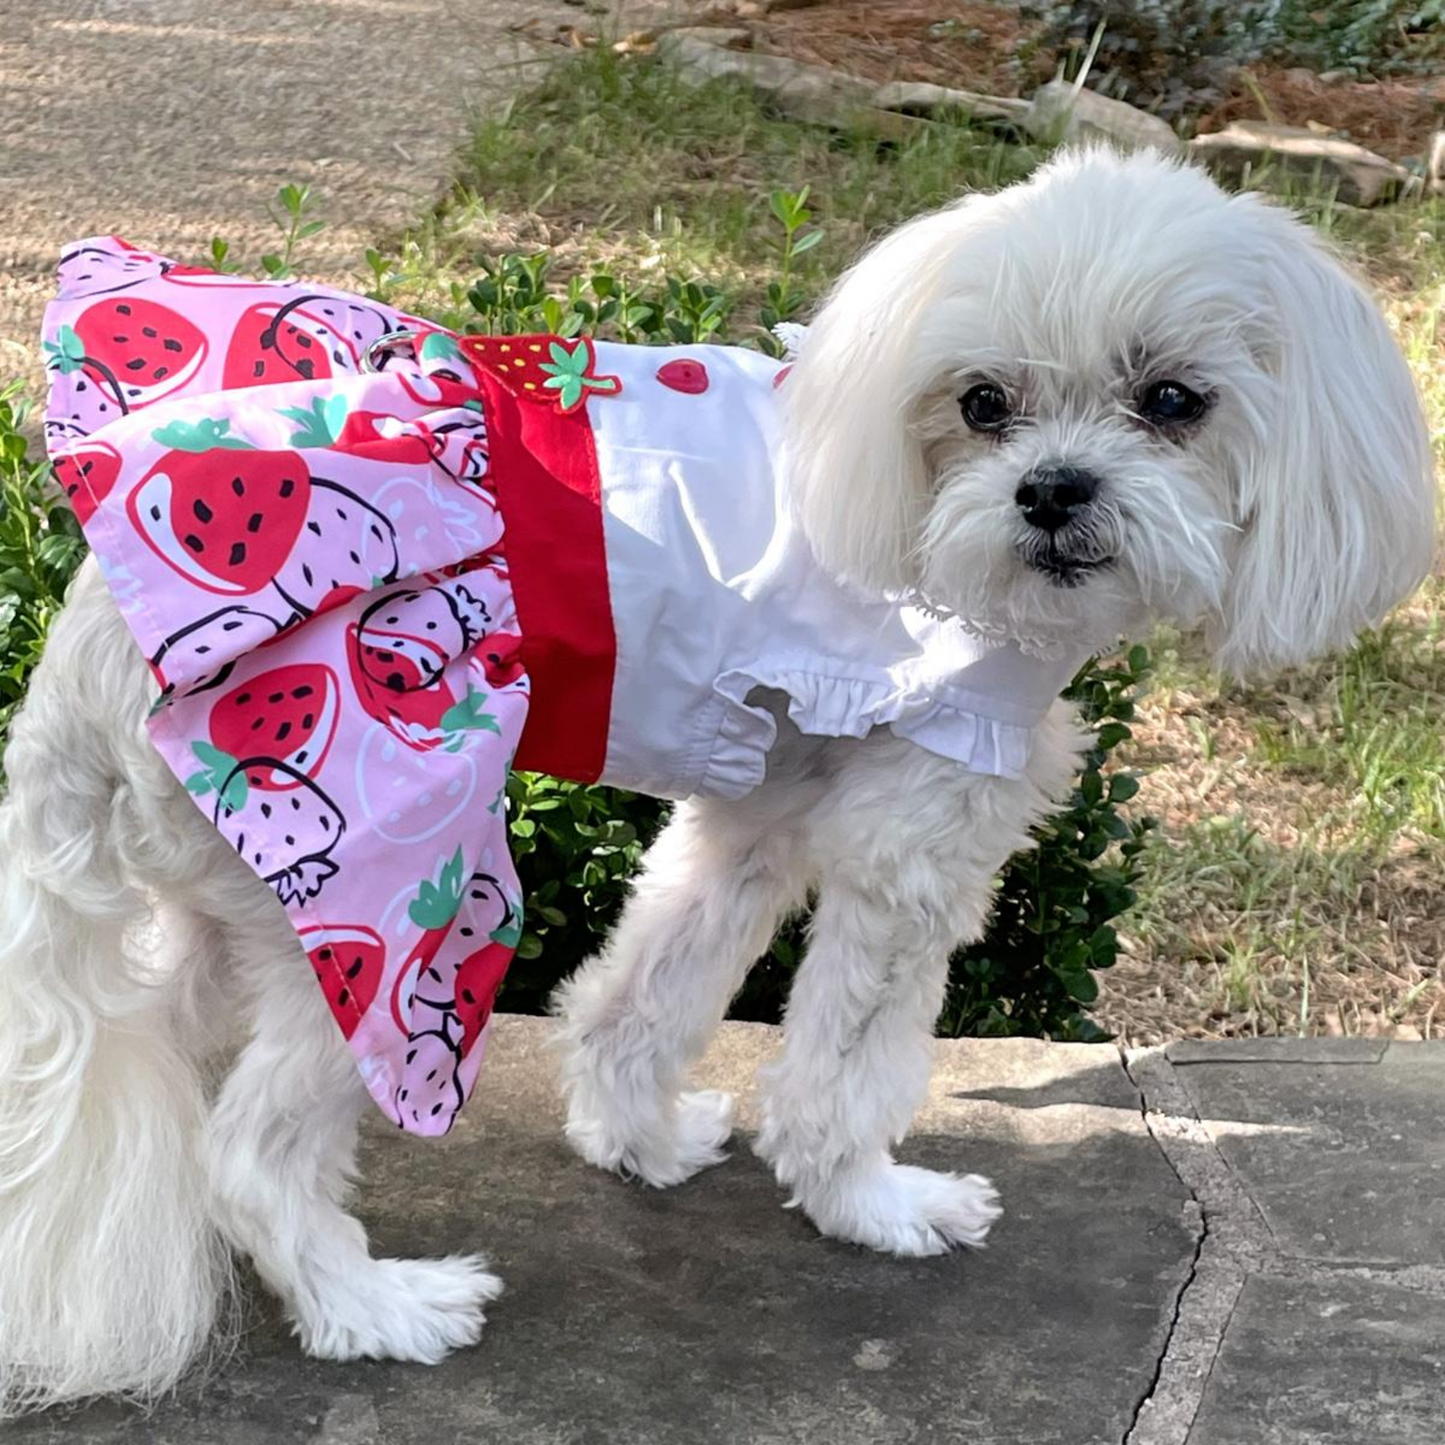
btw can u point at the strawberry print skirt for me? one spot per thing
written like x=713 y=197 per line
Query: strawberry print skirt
x=303 y=537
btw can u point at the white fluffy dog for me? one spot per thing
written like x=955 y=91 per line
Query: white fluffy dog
x=1107 y=395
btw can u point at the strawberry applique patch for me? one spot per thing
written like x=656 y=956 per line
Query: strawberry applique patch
x=544 y=368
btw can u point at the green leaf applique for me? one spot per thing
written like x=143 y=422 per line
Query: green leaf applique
x=439 y=346
x=509 y=933
x=569 y=375
x=67 y=352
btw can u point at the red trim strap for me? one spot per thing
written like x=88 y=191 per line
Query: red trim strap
x=543 y=461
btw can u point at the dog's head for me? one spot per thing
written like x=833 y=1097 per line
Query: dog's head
x=1109 y=394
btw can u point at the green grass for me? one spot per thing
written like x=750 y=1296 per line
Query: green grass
x=1370 y=728
x=617 y=157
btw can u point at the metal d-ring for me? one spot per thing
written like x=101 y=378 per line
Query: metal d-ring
x=386 y=342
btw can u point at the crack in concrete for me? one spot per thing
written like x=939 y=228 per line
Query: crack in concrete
x=1206 y=1300
x=1145 y=1402
x=1236 y=1242
x=1132 y=1435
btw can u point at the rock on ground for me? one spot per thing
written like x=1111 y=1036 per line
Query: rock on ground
x=1061 y=112
x=1245 y=149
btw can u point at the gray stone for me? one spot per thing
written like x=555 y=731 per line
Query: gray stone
x=709 y=1313
x=920 y=98
x=1346 y=1164
x=1253 y=151
x=1327 y=1362
x=812 y=93
x=821 y=95
x=1060 y=112
x=808 y=92
x=715 y=37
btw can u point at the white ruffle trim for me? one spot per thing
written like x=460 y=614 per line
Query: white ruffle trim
x=841 y=707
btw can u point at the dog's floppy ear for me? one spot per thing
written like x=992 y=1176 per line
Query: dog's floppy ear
x=1336 y=494
x=855 y=472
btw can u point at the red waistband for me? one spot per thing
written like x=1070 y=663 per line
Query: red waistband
x=543 y=461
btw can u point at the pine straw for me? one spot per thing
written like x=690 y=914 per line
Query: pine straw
x=971 y=46
x=1395 y=118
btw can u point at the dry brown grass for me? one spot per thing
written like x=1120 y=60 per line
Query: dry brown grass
x=1269 y=905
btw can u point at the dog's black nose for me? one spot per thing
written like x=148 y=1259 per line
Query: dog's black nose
x=1049 y=496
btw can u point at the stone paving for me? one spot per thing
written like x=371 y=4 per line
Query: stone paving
x=1214 y=1245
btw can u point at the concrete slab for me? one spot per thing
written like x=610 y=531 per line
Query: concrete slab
x=1327 y=1362
x=1345 y=1164
x=709 y=1313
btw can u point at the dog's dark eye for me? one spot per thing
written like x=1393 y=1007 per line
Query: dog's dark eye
x=985 y=407
x=1171 y=403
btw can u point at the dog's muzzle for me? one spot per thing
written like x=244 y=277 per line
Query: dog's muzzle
x=1055 y=503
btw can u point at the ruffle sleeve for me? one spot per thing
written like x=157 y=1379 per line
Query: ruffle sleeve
x=954 y=723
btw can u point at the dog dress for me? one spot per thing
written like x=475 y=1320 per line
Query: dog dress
x=375 y=565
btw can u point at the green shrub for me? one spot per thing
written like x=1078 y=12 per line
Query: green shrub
x=40 y=548
x=576 y=845
x=1374 y=37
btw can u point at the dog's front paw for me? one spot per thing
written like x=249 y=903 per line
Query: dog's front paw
x=903 y=1210
x=661 y=1153
x=401 y=1309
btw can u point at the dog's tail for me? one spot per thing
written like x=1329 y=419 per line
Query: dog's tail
x=110 y=1274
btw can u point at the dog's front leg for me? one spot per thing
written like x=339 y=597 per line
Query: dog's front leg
x=283 y=1147
x=909 y=845
x=635 y=1018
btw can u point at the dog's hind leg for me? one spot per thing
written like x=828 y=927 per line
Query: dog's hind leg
x=713 y=888
x=110 y=1272
x=283 y=1144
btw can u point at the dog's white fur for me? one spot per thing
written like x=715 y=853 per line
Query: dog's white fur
x=1298 y=510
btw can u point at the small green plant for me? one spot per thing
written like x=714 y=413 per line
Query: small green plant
x=576 y=847
x=294 y=205
x=785 y=298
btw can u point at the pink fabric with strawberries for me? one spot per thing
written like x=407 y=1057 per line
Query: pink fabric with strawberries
x=313 y=560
